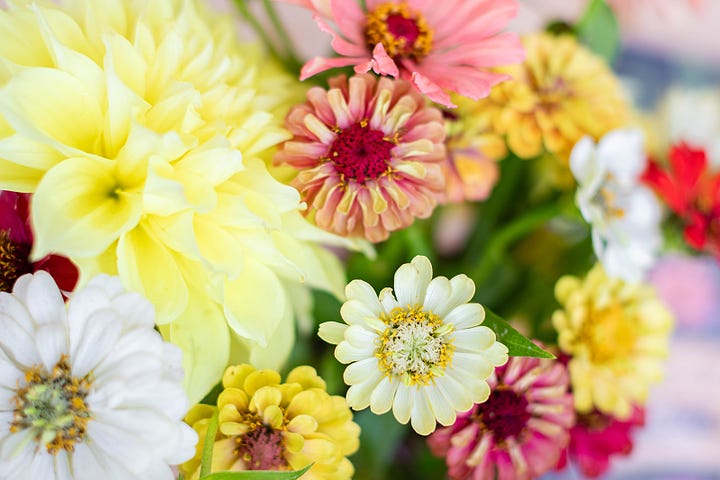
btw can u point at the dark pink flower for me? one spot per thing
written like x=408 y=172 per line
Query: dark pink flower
x=439 y=46
x=597 y=437
x=519 y=432
x=16 y=241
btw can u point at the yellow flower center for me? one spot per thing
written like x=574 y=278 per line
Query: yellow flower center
x=415 y=346
x=609 y=334
x=53 y=406
x=403 y=32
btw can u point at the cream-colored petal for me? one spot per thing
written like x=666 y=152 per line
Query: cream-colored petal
x=381 y=399
x=422 y=418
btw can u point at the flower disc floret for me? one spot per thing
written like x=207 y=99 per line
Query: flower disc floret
x=419 y=351
x=617 y=335
x=368 y=156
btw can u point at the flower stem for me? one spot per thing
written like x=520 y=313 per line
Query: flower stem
x=291 y=58
x=259 y=29
x=206 y=465
x=497 y=247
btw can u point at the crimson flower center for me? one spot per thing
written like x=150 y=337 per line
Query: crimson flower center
x=262 y=449
x=13 y=261
x=505 y=413
x=401 y=27
x=360 y=153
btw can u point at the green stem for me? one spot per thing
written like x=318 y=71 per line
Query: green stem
x=291 y=58
x=206 y=465
x=502 y=240
x=259 y=29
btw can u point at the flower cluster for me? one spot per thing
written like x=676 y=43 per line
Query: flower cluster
x=179 y=210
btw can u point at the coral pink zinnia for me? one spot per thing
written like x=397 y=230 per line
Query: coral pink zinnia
x=369 y=154
x=519 y=432
x=440 y=46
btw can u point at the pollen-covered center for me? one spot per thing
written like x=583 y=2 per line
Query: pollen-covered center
x=415 y=346
x=402 y=32
x=609 y=334
x=13 y=261
x=262 y=448
x=360 y=153
x=52 y=405
x=505 y=413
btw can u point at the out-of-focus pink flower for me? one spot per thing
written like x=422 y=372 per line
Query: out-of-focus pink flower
x=597 y=438
x=16 y=241
x=368 y=153
x=690 y=286
x=519 y=432
x=439 y=46
x=469 y=176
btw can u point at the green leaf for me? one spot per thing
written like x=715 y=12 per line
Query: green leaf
x=258 y=475
x=209 y=444
x=598 y=29
x=518 y=344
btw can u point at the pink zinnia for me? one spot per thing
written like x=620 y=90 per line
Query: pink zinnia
x=440 y=46
x=597 y=437
x=369 y=154
x=519 y=432
x=16 y=241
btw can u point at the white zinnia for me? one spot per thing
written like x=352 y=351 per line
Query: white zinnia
x=625 y=215
x=423 y=354
x=88 y=390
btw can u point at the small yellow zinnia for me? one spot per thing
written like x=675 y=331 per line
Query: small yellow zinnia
x=559 y=94
x=268 y=425
x=617 y=335
x=143 y=129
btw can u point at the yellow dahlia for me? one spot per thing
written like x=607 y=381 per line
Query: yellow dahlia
x=143 y=129
x=268 y=425
x=559 y=94
x=617 y=336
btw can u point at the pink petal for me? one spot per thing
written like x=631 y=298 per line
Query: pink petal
x=320 y=64
x=339 y=44
x=349 y=18
x=384 y=65
x=502 y=49
x=431 y=89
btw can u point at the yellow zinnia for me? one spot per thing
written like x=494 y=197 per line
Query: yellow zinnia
x=268 y=425
x=143 y=129
x=559 y=94
x=617 y=335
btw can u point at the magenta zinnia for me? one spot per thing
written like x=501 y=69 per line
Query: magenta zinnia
x=519 y=432
x=440 y=46
x=368 y=153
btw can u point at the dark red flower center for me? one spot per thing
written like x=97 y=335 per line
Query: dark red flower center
x=360 y=153
x=505 y=413
x=14 y=261
x=262 y=449
x=401 y=27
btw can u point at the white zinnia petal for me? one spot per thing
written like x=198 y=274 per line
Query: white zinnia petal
x=359 y=372
x=381 y=399
x=622 y=152
x=441 y=408
x=473 y=339
x=403 y=403
x=354 y=312
x=462 y=291
x=466 y=315
x=411 y=281
x=358 y=396
x=42 y=298
x=332 y=332
x=582 y=165
x=422 y=418
x=438 y=293
x=455 y=393
x=133 y=396
x=364 y=293
x=387 y=300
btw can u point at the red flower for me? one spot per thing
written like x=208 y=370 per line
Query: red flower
x=691 y=192
x=596 y=438
x=16 y=240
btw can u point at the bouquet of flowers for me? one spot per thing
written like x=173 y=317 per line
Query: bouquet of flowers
x=181 y=210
